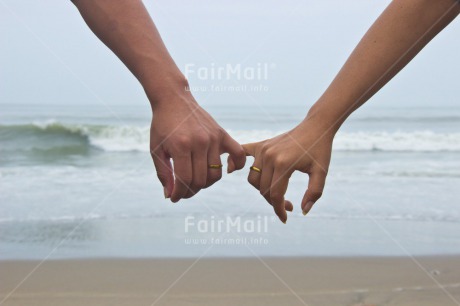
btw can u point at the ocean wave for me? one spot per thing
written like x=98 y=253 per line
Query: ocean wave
x=66 y=139
x=417 y=141
x=53 y=136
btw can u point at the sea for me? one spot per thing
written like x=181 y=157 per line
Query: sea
x=77 y=181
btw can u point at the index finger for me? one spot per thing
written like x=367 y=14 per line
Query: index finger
x=236 y=157
x=278 y=188
x=250 y=148
x=316 y=182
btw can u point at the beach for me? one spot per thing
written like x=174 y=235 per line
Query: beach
x=85 y=220
x=79 y=192
x=235 y=281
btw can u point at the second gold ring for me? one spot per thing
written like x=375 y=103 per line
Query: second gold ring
x=215 y=166
x=256 y=169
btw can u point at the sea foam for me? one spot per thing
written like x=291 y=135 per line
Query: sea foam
x=119 y=138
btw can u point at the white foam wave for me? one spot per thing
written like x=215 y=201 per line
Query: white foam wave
x=418 y=141
x=136 y=138
x=120 y=138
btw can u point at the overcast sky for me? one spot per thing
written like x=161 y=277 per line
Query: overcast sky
x=49 y=56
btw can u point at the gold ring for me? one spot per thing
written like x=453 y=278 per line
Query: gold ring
x=255 y=169
x=215 y=166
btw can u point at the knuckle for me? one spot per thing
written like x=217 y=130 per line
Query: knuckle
x=268 y=200
x=215 y=176
x=278 y=210
x=265 y=193
x=154 y=153
x=264 y=148
x=209 y=183
x=190 y=193
x=185 y=179
x=323 y=171
x=316 y=194
x=199 y=184
x=270 y=155
x=201 y=139
x=276 y=197
x=214 y=137
x=192 y=190
x=161 y=175
x=183 y=142
x=240 y=152
x=155 y=140
x=253 y=182
x=281 y=162
x=320 y=167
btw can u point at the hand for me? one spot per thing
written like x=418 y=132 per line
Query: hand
x=183 y=131
x=306 y=148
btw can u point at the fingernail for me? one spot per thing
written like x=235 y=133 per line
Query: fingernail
x=284 y=222
x=308 y=207
x=165 y=190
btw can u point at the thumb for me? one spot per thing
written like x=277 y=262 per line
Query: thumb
x=164 y=171
x=316 y=181
x=237 y=157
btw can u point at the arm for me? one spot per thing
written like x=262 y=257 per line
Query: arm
x=180 y=128
x=395 y=38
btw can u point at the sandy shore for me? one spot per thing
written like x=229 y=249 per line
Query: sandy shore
x=270 y=281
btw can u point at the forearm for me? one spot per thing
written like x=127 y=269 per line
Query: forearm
x=397 y=36
x=127 y=29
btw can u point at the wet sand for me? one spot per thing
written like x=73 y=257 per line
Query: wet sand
x=232 y=281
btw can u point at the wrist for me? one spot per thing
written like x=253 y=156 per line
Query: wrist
x=169 y=91
x=324 y=118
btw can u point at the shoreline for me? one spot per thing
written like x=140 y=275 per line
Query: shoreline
x=429 y=280
x=152 y=238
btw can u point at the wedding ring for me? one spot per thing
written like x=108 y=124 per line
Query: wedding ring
x=255 y=169
x=215 y=166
